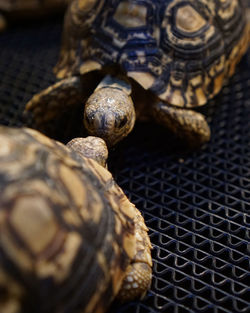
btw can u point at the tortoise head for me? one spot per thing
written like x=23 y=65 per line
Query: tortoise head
x=109 y=111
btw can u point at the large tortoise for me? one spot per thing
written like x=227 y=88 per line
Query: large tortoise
x=168 y=57
x=70 y=240
x=21 y=9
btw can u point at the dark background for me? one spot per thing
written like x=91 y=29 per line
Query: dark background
x=195 y=203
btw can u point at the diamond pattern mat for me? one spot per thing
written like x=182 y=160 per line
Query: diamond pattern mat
x=196 y=204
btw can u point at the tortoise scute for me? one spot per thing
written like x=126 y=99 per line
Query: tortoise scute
x=38 y=218
x=189 y=20
x=130 y=15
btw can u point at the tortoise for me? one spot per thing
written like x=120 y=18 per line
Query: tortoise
x=124 y=60
x=70 y=240
x=21 y=9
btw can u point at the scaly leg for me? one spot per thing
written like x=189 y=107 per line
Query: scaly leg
x=184 y=123
x=46 y=105
x=51 y=110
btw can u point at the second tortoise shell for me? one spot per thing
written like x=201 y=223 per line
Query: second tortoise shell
x=67 y=231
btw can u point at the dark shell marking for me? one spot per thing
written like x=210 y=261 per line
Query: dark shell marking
x=181 y=50
x=70 y=250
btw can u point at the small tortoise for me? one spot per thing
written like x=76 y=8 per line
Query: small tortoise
x=16 y=9
x=70 y=240
x=169 y=57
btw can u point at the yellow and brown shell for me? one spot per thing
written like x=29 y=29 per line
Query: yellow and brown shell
x=66 y=229
x=183 y=51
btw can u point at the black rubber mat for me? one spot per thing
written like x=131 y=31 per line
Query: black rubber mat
x=196 y=203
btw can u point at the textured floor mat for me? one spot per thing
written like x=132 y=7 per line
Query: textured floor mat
x=196 y=204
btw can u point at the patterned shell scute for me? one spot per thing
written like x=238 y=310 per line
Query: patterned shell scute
x=181 y=50
x=65 y=250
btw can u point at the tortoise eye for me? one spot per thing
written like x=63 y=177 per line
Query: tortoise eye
x=188 y=20
x=130 y=15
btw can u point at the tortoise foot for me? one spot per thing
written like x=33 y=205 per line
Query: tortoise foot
x=136 y=283
x=186 y=124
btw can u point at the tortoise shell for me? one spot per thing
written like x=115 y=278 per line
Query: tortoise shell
x=180 y=50
x=66 y=228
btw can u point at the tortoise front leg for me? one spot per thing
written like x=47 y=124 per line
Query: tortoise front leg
x=3 y=23
x=138 y=275
x=46 y=105
x=185 y=124
x=50 y=110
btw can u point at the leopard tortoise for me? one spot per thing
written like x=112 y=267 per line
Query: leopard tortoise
x=128 y=59
x=70 y=240
x=16 y=9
